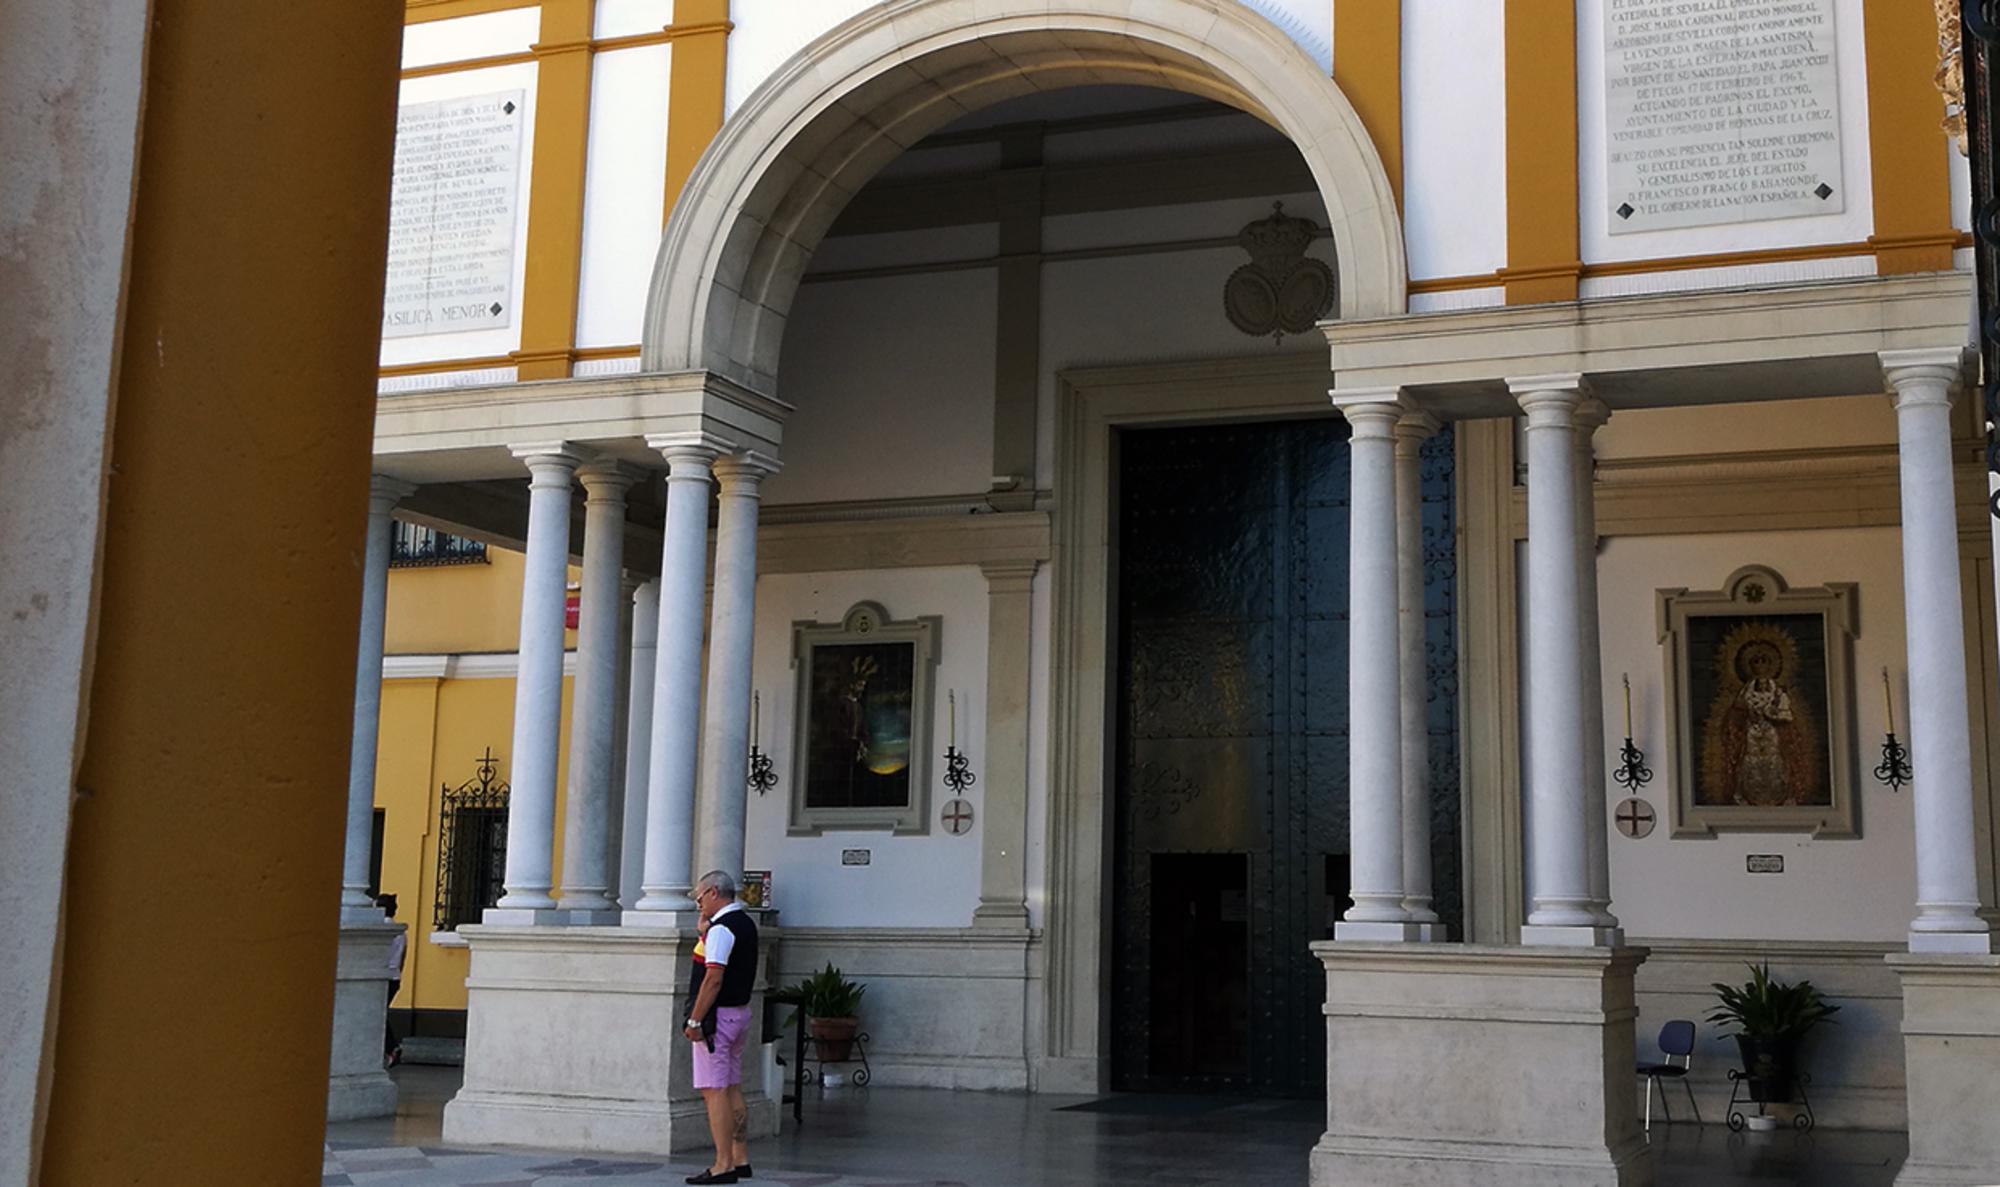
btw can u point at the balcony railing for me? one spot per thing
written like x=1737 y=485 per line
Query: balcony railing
x=413 y=546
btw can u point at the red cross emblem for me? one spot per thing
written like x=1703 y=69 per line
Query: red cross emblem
x=958 y=818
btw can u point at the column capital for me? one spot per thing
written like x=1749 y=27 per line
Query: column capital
x=1009 y=576
x=1372 y=411
x=1416 y=426
x=1592 y=414
x=607 y=478
x=1551 y=401
x=385 y=492
x=538 y=455
x=1925 y=376
x=692 y=446
x=747 y=469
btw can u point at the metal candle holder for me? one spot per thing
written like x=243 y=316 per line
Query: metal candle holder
x=957 y=768
x=1632 y=773
x=763 y=775
x=1894 y=769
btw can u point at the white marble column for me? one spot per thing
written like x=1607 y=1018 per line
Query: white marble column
x=645 y=616
x=1412 y=431
x=531 y=804
x=593 y=732
x=1374 y=682
x=1947 y=918
x=675 y=735
x=1560 y=909
x=1591 y=415
x=725 y=749
x=355 y=905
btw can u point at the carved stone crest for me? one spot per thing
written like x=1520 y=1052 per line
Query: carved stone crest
x=1280 y=291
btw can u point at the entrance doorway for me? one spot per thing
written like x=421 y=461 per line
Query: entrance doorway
x=1230 y=743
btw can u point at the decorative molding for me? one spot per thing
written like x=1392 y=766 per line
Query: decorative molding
x=901 y=543
x=469 y=665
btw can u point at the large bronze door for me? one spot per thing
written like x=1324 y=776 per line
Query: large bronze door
x=1230 y=837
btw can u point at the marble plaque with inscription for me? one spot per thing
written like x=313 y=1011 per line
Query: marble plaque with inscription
x=1719 y=111
x=452 y=215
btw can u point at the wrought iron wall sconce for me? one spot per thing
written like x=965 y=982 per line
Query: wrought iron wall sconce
x=763 y=776
x=957 y=768
x=1894 y=770
x=1632 y=773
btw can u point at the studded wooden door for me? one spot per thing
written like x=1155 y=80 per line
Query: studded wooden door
x=1230 y=836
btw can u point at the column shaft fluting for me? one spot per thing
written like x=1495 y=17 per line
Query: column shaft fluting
x=1561 y=856
x=1374 y=686
x=645 y=614
x=1413 y=671
x=1591 y=415
x=1947 y=918
x=355 y=905
x=531 y=804
x=587 y=804
x=676 y=717
x=725 y=757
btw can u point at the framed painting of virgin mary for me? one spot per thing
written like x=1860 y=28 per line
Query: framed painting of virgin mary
x=1759 y=706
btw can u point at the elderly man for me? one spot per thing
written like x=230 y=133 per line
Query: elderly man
x=725 y=967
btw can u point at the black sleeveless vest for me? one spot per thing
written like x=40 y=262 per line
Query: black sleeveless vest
x=740 y=974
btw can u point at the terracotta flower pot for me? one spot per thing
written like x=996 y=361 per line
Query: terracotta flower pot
x=834 y=1037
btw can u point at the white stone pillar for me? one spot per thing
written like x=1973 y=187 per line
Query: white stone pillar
x=531 y=803
x=645 y=616
x=1374 y=683
x=593 y=731
x=1412 y=431
x=1947 y=917
x=1560 y=911
x=675 y=736
x=725 y=750
x=1591 y=415
x=1003 y=823
x=355 y=905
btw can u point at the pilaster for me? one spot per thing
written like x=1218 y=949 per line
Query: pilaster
x=1003 y=821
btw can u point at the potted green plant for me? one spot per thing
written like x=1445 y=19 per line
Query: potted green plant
x=1770 y=1017
x=830 y=1001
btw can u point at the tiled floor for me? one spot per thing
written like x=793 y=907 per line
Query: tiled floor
x=907 y=1137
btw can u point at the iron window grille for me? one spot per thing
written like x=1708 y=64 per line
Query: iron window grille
x=472 y=846
x=413 y=546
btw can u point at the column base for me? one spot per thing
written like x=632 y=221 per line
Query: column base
x=1013 y=915
x=356 y=1084
x=1951 y=1046
x=1960 y=943
x=522 y=917
x=1428 y=1046
x=1538 y=935
x=573 y=1042
x=1382 y=933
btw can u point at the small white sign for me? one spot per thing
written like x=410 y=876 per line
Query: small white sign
x=1764 y=863
x=452 y=213
x=854 y=857
x=1720 y=111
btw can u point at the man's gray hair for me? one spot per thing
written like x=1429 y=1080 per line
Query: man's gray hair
x=717 y=881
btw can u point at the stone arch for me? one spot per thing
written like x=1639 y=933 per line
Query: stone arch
x=806 y=141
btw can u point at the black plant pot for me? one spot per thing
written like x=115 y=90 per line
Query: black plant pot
x=1771 y=1062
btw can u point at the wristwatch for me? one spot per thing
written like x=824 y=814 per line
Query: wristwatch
x=695 y=1023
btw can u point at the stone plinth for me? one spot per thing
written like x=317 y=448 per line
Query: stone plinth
x=356 y=1084
x=1460 y=1065
x=1951 y=1056
x=573 y=1042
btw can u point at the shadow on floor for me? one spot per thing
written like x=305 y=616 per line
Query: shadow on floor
x=982 y=1139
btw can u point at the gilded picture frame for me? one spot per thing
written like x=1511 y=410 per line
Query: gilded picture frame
x=1760 y=706
x=862 y=741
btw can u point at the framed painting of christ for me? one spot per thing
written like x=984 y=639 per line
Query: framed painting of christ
x=1760 y=706
x=862 y=749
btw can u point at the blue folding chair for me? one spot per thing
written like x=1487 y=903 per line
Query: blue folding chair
x=1676 y=1042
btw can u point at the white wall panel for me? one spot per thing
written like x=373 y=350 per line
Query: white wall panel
x=1862 y=889
x=459 y=84
x=892 y=381
x=509 y=31
x=770 y=31
x=910 y=881
x=1454 y=138
x=1853 y=224
x=1681 y=280
x=624 y=197
x=1479 y=298
x=625 y=18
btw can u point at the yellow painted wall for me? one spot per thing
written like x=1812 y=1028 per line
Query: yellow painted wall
x=459 y=609
x=433 y=732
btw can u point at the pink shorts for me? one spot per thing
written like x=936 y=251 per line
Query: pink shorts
x=724 y=1066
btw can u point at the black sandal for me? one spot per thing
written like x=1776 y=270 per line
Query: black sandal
x=709 y=1176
